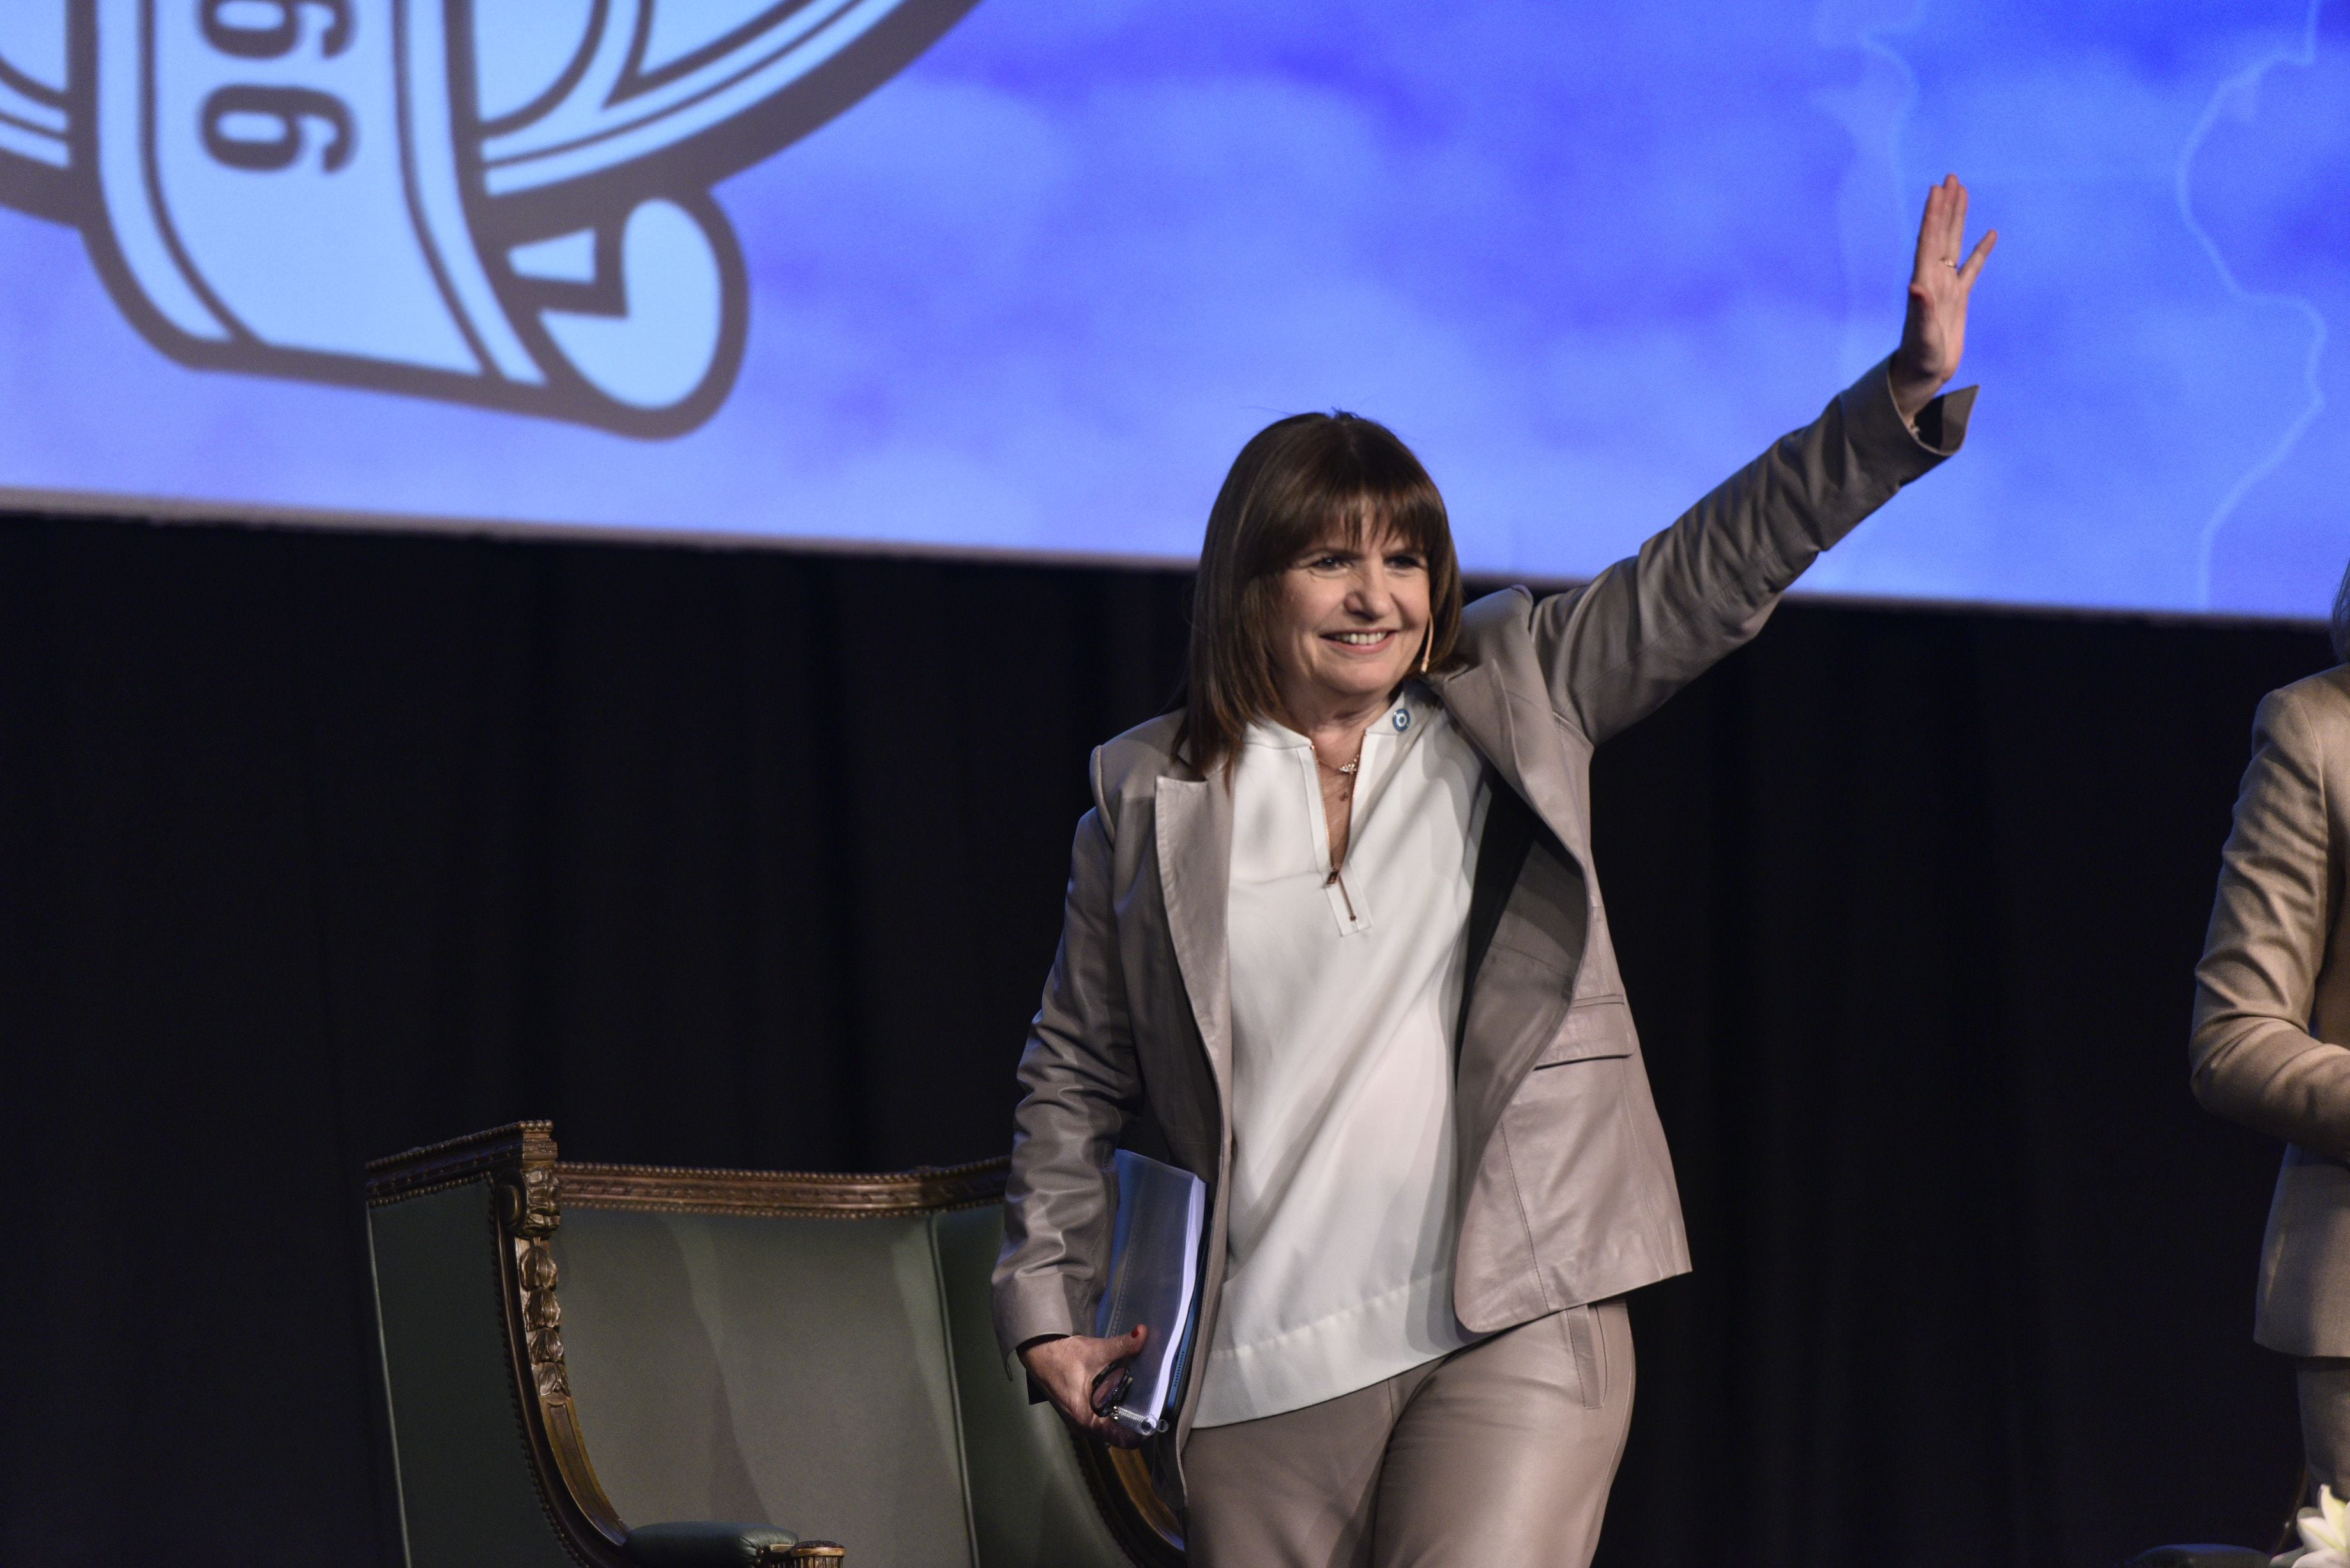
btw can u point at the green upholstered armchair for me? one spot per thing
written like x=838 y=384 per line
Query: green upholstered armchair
x=809 y=1354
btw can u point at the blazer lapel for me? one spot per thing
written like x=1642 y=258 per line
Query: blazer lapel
x=1480 y=704
x=1509 y=1010
x=1195 y=867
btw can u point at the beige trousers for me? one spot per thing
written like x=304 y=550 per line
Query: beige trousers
x=1498 y=1456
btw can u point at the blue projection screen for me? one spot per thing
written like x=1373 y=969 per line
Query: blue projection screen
x=1022 y=276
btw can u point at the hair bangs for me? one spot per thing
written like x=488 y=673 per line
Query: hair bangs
x=1349 y=481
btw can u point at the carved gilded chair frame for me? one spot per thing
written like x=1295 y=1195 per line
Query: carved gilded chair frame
x=532 y=1185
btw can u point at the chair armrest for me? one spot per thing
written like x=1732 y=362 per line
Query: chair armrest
x=710 y=1544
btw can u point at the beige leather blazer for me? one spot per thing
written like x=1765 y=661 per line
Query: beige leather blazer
x=2272 y=1004
x=1567 y=1188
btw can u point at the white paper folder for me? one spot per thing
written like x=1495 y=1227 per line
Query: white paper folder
x=1154 y=1279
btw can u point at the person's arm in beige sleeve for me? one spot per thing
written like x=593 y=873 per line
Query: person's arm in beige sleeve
x=1647 y=625
x=2254 y=1059
x=1080 y=1087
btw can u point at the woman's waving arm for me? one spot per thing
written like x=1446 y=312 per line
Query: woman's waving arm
x=1614 y=650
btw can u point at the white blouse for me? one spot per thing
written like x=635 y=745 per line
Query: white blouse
x=1345 y=995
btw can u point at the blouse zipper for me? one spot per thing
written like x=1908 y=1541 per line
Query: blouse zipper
x=1352 y=775
x=1338 y=882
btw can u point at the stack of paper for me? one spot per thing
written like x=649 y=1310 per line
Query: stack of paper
x=1154 y=1279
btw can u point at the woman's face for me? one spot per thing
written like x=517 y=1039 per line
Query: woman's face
x=1351 y=622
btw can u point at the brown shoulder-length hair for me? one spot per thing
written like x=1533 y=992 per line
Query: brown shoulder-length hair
x=1296 y=481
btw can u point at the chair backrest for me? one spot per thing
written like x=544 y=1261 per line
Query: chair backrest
x=813 y=1352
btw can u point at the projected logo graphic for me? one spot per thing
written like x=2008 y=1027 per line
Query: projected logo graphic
x=503 y=202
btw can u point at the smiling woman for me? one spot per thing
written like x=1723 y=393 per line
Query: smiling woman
x=1333 y=927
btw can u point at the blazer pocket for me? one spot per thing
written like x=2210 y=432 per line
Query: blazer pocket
x=1596 y=1027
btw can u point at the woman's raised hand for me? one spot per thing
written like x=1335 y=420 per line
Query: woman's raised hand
x=1934 y=333
x=1069 y=1367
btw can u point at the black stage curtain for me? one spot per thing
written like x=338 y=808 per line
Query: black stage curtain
x=313 y=848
